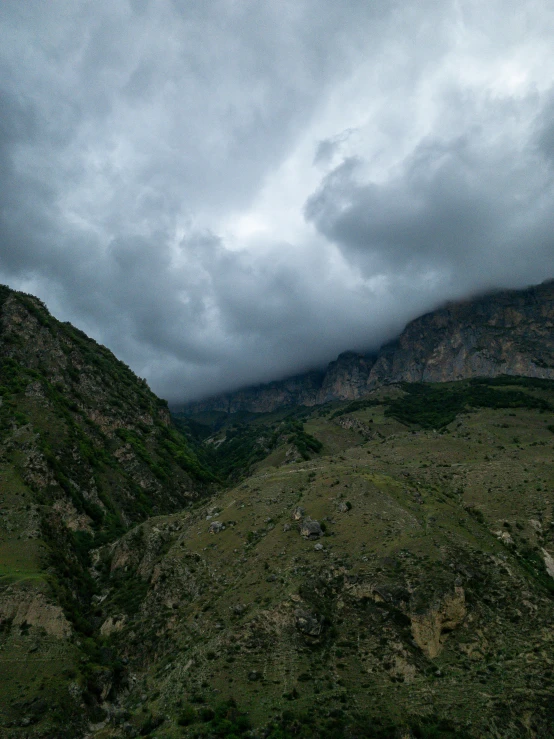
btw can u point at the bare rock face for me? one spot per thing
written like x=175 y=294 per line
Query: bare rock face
x=112 y=625
x=298 y=514
x=32 y=609
x=504 y=333
x=548 y=562
x=430 y=629
x=346 y=377
x=308 y=623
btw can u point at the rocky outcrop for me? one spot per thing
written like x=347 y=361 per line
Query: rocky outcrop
x=308 y=623
x=508 y=332
x=548 y=562
x=346 y=377
x=25 y=608
x=310 y=529
x=430 y=629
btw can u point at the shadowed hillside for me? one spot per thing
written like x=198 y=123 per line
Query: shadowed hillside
x=395 y=578
x=86 y=450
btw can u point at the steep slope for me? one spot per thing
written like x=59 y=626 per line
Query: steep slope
x=505 y=333
x=398 y=583
x=86 y=450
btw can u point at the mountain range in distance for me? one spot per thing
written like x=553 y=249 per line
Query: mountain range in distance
x=508 y=332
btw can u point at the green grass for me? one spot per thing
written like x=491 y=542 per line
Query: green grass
x=436 y=406
x=425 y=511
x=20 y=560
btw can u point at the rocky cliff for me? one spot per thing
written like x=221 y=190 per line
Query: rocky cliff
x=505 y=333
x=508 y=332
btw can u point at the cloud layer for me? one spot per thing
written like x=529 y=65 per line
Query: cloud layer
x=226 y=193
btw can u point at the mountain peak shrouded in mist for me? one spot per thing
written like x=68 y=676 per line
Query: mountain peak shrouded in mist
x=509 y=332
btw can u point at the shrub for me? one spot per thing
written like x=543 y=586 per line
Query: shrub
x=187 y=716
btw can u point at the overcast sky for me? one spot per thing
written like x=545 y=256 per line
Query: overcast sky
x=226 y=192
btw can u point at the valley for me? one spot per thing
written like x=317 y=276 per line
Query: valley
x=370 y=566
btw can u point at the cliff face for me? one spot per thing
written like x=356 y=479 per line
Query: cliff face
x=507 y=333
x=504 y=333
x=346 y=378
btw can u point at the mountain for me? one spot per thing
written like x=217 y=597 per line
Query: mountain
x=507 y=332
x=86 y=451
x=380 y=566
x=504 y=333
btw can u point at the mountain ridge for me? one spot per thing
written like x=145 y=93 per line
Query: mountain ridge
x=86 y=452
x=502 y=332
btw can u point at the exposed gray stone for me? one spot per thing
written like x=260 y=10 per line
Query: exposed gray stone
x=308 y=623
x=298 y=513
x=310 y=529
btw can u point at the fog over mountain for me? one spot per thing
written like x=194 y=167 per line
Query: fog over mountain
x=227 y=193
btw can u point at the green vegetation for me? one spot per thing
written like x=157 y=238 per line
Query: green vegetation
x=86 y=449
x=242 y=447
x=435 y=406
x=225 y=720
x=356 y=405
x=304 y=442
x=339 y=726
x=236 y=448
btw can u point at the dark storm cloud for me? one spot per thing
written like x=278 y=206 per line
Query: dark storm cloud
x=475 y=208
x=156 y=159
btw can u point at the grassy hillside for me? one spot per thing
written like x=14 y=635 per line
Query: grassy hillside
x=86 y=451
x=425 y=607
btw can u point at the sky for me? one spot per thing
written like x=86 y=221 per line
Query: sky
x=230 y=192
